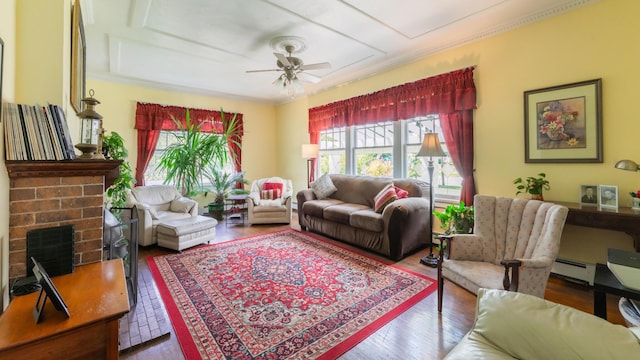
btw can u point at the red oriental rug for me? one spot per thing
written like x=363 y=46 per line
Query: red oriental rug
x=280 y=295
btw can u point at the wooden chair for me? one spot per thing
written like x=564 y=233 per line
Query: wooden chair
x=513 y=246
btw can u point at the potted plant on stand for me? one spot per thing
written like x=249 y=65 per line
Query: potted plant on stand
x=223 y=184
x=532 y=185
x=456 y=219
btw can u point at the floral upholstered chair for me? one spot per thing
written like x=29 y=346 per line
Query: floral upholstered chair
x=269 y=201
x=513 y=246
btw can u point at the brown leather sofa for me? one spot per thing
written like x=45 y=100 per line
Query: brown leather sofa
x=348 y=214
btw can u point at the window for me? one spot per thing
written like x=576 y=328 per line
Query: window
x=373 y=149
x=388 y=149
x=332 y=156
x=446 y=180
x=155 y=176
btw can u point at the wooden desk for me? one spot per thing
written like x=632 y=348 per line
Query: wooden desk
x=623 y=219
x=96 y=295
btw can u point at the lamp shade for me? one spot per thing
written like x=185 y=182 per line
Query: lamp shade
x=431 y=146
x=627 y=165
x=310 y=151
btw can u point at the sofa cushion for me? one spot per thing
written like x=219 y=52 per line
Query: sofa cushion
x=358 y=189
x=316 y=208
x=385 y=197
x=342 y=212
x=182 y=205
x=367 y=220
x=323 y=187
x=155 y=194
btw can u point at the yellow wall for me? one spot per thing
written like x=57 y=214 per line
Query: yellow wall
x=8 y=35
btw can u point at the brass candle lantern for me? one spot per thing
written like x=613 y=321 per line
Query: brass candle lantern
x=92 y=131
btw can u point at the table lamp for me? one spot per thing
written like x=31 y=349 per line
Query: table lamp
x=430 y=148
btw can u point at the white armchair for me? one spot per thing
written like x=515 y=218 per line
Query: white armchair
x=157 y=203
x=265 y=207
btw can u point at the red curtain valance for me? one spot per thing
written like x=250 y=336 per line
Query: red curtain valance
x=158 y=117
x=445 y=93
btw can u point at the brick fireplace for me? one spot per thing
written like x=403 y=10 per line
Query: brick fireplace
x=54 y=193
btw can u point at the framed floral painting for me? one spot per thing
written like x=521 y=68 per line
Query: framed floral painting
x=563 y=124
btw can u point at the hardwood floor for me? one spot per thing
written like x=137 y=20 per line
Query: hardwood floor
x=418 y=333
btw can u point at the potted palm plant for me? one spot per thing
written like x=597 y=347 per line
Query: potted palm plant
x=193 y=151
x=223 y=184
x=532 y=185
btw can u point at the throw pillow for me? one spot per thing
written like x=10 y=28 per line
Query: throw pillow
x=323 y=187
x=181 y=205
x=270 y=194
x=385 y=197
x=276 y=190
x=401 y=192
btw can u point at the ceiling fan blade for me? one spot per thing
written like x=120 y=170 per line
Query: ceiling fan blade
x=283 y=59
x=254 y=71
x=309 y=77
x=324 y=65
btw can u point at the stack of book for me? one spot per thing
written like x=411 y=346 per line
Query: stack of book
x=34 y=132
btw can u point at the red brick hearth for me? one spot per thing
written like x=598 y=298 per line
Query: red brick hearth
x=50 y=194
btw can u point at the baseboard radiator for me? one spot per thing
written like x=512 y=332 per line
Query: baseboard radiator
x=574 y=271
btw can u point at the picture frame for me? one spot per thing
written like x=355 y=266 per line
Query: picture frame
x=78 y=58
x=589 y=195
x=48 y=289
x=563 y=124
x=608 y=196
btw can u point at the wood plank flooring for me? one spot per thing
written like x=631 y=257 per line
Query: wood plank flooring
x=418 y=333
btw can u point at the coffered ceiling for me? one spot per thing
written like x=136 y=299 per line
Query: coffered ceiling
x=206 y=46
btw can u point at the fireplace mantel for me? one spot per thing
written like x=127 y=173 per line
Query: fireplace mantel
x=107 y=168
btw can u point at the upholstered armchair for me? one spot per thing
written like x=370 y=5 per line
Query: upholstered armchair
x=513 y=246
x=269 y=201
x=157 y=203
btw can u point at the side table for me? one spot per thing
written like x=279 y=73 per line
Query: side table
x=606 y=283
x=235 y=209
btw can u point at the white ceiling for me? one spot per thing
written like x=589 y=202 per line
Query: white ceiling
x=206 y=46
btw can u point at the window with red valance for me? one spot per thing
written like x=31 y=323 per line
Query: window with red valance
x=153 y=118
x=452 y=96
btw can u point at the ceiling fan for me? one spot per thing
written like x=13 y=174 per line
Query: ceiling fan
x=292 y=68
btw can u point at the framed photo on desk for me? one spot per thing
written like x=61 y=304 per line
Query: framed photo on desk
x=589 y=195
x=608 y=196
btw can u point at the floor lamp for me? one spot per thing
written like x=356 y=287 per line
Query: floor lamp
x=430 y=148
x=309 y=152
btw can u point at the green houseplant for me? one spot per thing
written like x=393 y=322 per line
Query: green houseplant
x=115 y=149
x=532 y=185
x=456 y=218
x=223 y=183
x=193 y=151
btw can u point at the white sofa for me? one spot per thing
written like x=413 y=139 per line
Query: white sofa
x=157 y=203
x=512 y=325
